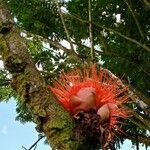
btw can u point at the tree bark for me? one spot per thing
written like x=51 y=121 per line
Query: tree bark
x=50 y=117
x=31 y=89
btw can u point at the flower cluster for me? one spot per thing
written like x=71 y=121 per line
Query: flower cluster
x=81 y=91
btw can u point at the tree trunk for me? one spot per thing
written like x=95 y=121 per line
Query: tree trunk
x=31 y=89
x=50 y=117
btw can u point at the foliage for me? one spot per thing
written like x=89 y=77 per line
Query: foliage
x=5 y=89
x=24 y=114
x=125 y=58
x=42 y=18
x=122 y=45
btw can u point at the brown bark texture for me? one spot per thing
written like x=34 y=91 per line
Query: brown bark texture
x=31 y=89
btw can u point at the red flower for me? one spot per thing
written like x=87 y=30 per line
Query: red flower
x=82 y=90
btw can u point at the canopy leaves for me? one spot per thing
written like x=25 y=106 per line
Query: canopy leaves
x=120 y=36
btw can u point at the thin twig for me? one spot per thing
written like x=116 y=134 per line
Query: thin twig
x=73 y=53
x=147 y=3
x=104 y=44
x=24 y=148
x=108 y=52
x=54 y=43
x=36 y=142
x=144 y=121
x=111 y=30
x=135 y=19
x=137 y=123
x=64 y=25
x=34 y=145
x=141 y=138
x=90 y=31
x=140 y=96
x=60 y=46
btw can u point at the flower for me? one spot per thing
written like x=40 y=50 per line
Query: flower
x=93 y=89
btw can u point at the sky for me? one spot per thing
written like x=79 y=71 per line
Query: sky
x=14 y=135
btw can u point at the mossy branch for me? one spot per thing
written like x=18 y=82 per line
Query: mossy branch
x=50 y=117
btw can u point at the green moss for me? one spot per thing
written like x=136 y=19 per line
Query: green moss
x=30 y=89
x=19 y=84
x=1 y=26
x=62 y=139
x=39 y=111
x=59 y=126
x=17 y=61
x=3 y=47
x=59 y=129
x=22 y=85
x=60 y=134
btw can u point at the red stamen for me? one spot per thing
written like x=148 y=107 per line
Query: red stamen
x=91 y=89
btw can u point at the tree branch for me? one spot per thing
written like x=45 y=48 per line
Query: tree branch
x=104 y=44
x=139 y=138
x=36 y=142
x=108 y=52
x=64 y=25
x=55 y=44
x=52 y=119
x=137 y=96
x=24 y=148
x=90 y=32
x=144 y=122
x=111 y=30
x=49 y=115
x=147 y=3
x=135 y=19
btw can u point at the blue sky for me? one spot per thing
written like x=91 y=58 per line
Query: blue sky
x=14 y=135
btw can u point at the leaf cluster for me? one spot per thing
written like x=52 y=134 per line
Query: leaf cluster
x=121 y=44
